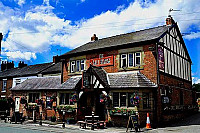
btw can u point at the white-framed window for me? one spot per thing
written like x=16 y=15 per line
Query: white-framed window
x=4 y=85
x=123 y=60
x=131 y=59
x=77 y=66
x=73 y=64
x=137 y=58
x=48 y=102
x=82 y=65
x=65 y=99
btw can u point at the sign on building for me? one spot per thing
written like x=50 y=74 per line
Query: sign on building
x=105 y=61
x=161 y=58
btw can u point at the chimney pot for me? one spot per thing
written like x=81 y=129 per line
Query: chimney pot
x=169 y=21
x=94 y=38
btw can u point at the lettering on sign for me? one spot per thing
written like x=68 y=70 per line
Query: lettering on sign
x=106 y=61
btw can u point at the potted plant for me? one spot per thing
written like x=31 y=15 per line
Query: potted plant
x=53 y=118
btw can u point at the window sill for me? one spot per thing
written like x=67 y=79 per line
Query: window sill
x=75 y=73
x=3 y=91
x=132 y=68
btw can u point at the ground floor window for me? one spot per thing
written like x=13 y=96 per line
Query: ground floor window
x=122 y=99
x=33 y=97
x=65 y=99
x=146 y=100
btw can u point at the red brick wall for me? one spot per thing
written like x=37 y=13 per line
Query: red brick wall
x=8 y=86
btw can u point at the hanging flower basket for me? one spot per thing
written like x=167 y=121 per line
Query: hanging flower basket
x=135 y=99
x=53 y=99
x=104 y=98
x=74 y=98
x=23 y=100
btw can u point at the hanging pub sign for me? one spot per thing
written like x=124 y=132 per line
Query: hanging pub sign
x=105 y=61
x=86 y=79
x=161 y=58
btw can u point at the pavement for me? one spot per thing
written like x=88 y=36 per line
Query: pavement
x=190 y=124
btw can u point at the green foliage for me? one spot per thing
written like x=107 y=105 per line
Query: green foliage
x=65 y=107
x=196 y=87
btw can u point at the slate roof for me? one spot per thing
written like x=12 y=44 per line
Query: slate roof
x=30 y=70
x=128 y=80
x=39 y=83
x=56 y=68
x=71 y=83
x=123 y=39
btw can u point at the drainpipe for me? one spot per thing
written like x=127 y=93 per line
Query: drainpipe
x=62 y=66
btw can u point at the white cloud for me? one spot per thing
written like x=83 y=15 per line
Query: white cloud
x=20 y=2
x=35 y=30
x=83 y=0
x=195 y=80
x=193 y=35
x=20 y=55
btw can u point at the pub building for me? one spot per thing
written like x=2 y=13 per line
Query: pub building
x=147 y=71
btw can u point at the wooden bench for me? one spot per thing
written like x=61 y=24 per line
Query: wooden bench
x=88 y=122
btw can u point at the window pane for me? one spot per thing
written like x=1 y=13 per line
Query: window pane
x=82 y=65
x=62 y=99
x=72 y=66
x=123 y=60
x=146 y=101
x=77 y=65
x=116 y=99
x=67 y=98
x=130 y=59
x=123 y=99
x=129 y=100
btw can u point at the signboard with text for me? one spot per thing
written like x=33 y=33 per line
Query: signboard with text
x=161 y=58
x=105 y=61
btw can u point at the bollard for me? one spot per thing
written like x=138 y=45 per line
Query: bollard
x=92 y=127
x=63 y=119
x=40 y=119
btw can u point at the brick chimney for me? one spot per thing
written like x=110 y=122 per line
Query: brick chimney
x=21 y=64
x=56 y=59
x=169 y=21
x=94 y=38
x=7 y=65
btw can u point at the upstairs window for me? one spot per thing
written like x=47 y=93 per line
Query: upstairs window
x=73 y=66
x=131 y=59
x=4 y=84
x=77 y=66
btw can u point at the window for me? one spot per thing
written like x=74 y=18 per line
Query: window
x=137 y=58
x=17 y=81
x=123 y=60
x=73 y=66
x=33 y=97
x=131 y=59
x=82 y=65
x=146 y=101
x=48 y=102
x=122 y=99
x=4 y=85
x=65 y=99
x=77 y=66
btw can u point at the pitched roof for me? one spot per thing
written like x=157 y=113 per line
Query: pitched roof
x=39 y=83
x=71 y=83
x=30 y=70
x=129 y=79
x=123 y=39
x=55 y=68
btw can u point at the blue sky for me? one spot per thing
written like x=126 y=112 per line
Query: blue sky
x=36 y=30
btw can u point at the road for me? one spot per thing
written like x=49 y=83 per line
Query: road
x=189 y=125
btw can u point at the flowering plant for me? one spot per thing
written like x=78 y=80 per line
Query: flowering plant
x=74 y=98
x=135 y=99
x=53 y=98
x=104 y=98
x=122 y=111
x=39 y=101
